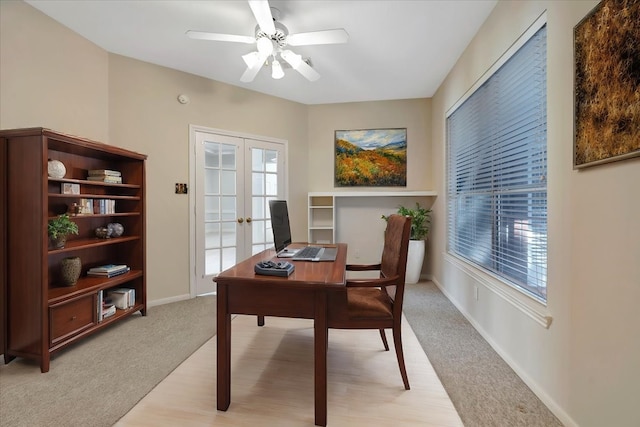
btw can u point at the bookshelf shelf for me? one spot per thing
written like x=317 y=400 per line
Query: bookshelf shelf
x=42 y=316
x=73 y=245
x=93 y=183
x=92 y=196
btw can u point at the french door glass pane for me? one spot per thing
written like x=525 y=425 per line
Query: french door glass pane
x=228 y=153
x=211 y=208
x=211 y=181
x=212 y=261
x=271 y=160
x=271 y=184
x=228 y=234
x=212 y=235
x=229 y=211
x=228 y=182
x=257 y=180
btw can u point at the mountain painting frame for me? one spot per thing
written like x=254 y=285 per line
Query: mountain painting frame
x=371 y=158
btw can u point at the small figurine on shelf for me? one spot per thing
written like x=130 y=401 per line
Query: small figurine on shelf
x=75 y=209
x=103 y=232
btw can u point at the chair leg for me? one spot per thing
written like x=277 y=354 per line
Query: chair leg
x=397 y=342
x=384 y=340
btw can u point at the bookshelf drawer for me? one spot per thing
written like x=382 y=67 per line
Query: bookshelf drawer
x=69 y=318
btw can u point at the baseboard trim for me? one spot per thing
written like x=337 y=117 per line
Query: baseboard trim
x=168 y=300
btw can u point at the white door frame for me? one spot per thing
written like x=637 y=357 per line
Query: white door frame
x=192 y=179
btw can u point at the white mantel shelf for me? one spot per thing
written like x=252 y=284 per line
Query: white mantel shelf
x=427 y=193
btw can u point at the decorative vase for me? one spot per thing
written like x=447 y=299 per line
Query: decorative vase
x=70 y=270
x=415 y=257
x=56 y=169
x=116 y=229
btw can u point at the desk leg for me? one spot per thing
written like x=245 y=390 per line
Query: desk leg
x=224 y=349
x=321 y=336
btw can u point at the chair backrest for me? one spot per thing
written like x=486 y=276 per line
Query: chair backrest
x=394 y=256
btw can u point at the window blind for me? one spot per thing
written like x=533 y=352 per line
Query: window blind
x=497 y=172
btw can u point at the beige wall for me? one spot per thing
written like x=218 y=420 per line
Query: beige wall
x=50 y=77
x=585 y=367
x=146 y=116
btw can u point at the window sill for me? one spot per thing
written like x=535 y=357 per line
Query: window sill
x=526 y=304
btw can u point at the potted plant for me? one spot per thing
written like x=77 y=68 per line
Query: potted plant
x=420 y=226
x=59 y=228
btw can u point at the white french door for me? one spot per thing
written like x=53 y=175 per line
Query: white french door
x=233 y=181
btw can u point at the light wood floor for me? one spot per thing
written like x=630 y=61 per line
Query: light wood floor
x=272 y=382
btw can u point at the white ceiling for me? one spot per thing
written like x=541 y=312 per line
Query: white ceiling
x=396 y=50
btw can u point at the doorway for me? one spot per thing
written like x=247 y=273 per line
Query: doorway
x=233 y=178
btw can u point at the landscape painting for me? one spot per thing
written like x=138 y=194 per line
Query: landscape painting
x=371 y=158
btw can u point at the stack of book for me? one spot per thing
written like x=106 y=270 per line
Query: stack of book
x=105 y=175
x=108 y=270
x=122 y=298
x=96 y=206
x=105 y=308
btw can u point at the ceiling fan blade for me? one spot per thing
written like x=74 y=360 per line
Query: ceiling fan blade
x=306 y=70
x=252 y=71
x=202 y=35
x=262 y=12
x=298 y=64
x=336 y=36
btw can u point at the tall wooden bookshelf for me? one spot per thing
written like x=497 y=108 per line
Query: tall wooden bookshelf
x=43 y=316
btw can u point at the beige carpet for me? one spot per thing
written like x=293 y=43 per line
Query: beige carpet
x=272 y=382
x=96 y=381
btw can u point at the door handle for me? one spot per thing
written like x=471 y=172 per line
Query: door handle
x=240 y=220
x=248 y=219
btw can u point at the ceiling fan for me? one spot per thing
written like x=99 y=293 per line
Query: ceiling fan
x=272 y=39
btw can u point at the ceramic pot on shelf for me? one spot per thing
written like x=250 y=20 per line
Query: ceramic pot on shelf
x=70 y=269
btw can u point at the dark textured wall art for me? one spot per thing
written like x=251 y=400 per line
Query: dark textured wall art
x=607 y=83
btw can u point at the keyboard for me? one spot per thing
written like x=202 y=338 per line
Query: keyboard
x=308 y=252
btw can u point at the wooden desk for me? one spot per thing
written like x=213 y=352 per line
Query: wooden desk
x=301 y=295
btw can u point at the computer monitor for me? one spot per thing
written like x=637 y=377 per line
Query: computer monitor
x=280 y=224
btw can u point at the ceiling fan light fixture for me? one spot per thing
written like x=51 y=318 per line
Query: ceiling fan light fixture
x=265 y=46
x=276 y=70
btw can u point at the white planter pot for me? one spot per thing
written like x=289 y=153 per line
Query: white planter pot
x=415 y=257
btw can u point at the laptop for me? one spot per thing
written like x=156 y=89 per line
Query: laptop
x=282 y=237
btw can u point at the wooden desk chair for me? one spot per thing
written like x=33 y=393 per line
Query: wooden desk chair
x=377 y=303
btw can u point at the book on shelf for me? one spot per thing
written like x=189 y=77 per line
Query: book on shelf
x=109 y=275
x=102 y=172
x=105 y=178
x=100 y=304
x=122 y=298
x=109 y=270
x=108 y=310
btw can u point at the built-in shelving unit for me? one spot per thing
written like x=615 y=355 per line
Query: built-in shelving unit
x=322 y=210
x=42 y=315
